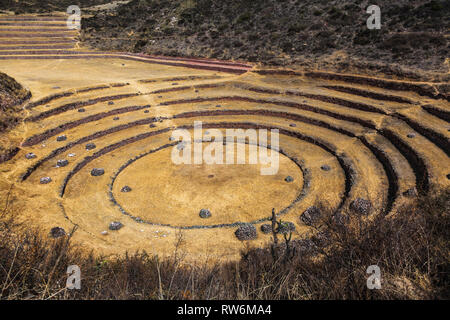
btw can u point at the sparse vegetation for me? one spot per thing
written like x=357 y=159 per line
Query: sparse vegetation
x=278 y=32
x=412 y=249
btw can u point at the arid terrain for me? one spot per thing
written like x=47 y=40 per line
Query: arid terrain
x=87 y=130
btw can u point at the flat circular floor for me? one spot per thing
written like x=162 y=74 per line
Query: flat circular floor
x=167 y=193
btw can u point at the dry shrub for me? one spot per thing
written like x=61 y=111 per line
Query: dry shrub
x=411 y=249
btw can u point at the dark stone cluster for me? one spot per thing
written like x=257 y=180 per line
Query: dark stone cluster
x=30 y=155
x=266 y=228
x=125 y=189
x=115 y=225
x=57 y=232
x=97 y=172
x=361 y=206
x=289 y=179
x=246 y=231
x=90 y=146
x=62 y=163
x=45 y=180
x=61 y=138
x=204 y=213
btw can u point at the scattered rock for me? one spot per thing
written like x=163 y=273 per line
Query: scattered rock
x=46 y=180
x=411 y=192
x=361 y=206
x=195 y=90
x=160 y=97
x=56 y=87
x=325 y=167
x=125 y=189
x=116 y=118
x=204 y=213
x=62 y=163
x=211 y=176
x=97 y=172
x=171 y=138
x=292 y=125
x=246 y=231
x=81 y=110
x=411 y=135
x=218 y=106
x=448 y=176
x=289 y=179
x=311 y=216
x=90 y=146
x=110 y=103
x=61 y=138
x=175 y=83
x=116 y=225
x=104 y=233
x=266 y=228
x=286 y=227
x=30 y=155
x=146 y=111
x=71 y=155
x=57 y=232
x=152 y=125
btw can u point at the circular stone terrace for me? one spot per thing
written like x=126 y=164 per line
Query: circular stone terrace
x=99 y=128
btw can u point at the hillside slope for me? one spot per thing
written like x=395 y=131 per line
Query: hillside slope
x=12 y=94
x=279 y=32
